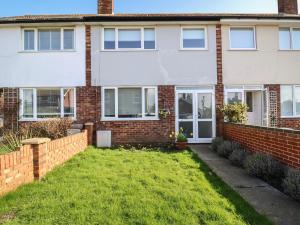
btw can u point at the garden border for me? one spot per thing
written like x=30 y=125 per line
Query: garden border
x=36 y=158
x=283 y=144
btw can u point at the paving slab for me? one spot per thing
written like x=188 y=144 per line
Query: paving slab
x=278 y=207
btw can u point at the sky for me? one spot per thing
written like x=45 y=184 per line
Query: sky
x=27 y=7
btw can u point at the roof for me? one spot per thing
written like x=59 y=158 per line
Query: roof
x=140 y=17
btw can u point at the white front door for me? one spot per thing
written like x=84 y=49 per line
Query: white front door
x=254 y=103
x=195 y=114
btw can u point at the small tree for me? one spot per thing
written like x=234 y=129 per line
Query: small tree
x=235 y=113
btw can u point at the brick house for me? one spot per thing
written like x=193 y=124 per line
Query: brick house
x=142 y=76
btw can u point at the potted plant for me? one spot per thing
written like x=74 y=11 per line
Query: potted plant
x=180 y=140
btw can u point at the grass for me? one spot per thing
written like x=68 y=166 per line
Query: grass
x=3 y=150
x=128 y=187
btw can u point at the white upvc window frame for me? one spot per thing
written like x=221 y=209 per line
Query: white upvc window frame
x=295 y=115
x=142 y=29
x=116 y=117
x=35 y=117
x=194 y=49
x=36 y=39
x=243 y=49
x=291 y=29
x=241 y=89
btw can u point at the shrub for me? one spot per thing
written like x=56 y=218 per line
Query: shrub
x=265 y=167
x=12 y=139
x=235 y=113
x=291 y=183
x=216 y=142
x=53 y=129
x=239 y=156
x=225 y=149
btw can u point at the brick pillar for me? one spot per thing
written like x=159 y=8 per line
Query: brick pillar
x=274 y=104
x=90 y=132
x=288 y=6
x=219 y=89
x=11 y=107
x=39 y=146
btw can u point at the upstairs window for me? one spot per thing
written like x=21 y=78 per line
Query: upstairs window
x=49 y=39
x=130 y=103
x=126 y=39
x=242 y=38
x=29 y=40
x=55 y=39
x=193 y=38
x=289 y=38
x=290 y=100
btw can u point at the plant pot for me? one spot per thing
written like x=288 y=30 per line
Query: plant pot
x=181 y=145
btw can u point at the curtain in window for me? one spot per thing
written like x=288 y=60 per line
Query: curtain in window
x=27 y=103
x=150 y=102
x=149 y=38
x=130 y=38
x=109 y=99
x=109 y=39
x=29 y=40
x=48 y=103
x=193 y=38
x=242 y=38
x=286 y=100
x=130 y=102
x=68 y=39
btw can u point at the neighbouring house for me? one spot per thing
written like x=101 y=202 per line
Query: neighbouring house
x=143 y=76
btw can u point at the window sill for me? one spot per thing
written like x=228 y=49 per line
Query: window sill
x=243 y=49
x=129 y=50
x=290 y=117
x=50 y=51
x=288 y=50
x=44 y=119
x=193 y=49
x=128 y=119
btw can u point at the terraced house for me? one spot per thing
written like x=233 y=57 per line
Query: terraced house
x=139 y=77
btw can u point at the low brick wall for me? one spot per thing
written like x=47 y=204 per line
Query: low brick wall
x=34 y=161
x=282 y=144
x=16 y=168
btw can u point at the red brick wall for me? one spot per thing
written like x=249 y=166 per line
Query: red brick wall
x=34 y=161
x=145 y=132
x=105 y=6
x=282 y=144
x=288 y=6
x=56 y=152
x=16 y=168
x=293 y=123
x=219 y=89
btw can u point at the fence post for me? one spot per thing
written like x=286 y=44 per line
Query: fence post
x=90 y=132
x=39 y=146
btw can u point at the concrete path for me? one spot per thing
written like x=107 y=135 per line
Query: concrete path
x=278 y=207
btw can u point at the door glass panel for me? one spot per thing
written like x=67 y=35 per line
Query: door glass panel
x=187 y=128
x=205 y=129
x=234 y=97
x=185 y=105
x=204 y=106
x=249 y=101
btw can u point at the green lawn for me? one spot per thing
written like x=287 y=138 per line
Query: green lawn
x=128 y=187
x=3 y=150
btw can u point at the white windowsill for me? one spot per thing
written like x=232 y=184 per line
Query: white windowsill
x=129 y=119
x=43 y=119
x=128 y=50
x=288 y=50
x=193 y=49
x=46 y=51
x=243 y=49
x=290 y=117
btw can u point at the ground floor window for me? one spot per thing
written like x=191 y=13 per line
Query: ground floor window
x=40 y=103
x=129 y=103
x=290 y=100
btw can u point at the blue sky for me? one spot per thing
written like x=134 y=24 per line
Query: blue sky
x=22 y=7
